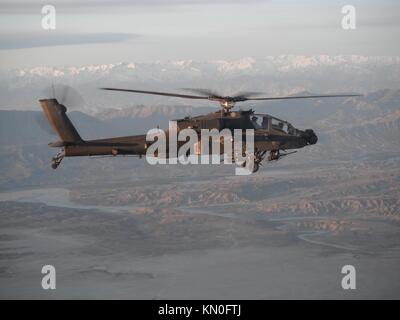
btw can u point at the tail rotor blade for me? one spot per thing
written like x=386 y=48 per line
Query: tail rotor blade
x=43 y=124
x=66 y=95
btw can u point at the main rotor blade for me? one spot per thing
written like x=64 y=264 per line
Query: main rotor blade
x=212 y=94
x=168 y=94
x=246 y=94
x=206 y=92
x=307 y=97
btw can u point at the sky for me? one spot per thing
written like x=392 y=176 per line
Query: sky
x=96 y=32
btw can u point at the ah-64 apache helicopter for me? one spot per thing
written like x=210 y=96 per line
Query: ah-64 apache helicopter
x=271 y=134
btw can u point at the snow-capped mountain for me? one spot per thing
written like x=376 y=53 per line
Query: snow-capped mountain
x=249 y=65
x=272 y=75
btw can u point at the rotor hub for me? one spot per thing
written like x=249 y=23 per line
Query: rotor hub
x=227 y=104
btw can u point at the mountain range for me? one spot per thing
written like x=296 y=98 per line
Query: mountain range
x=122 y=226
x=273 y=76
x=366 y=127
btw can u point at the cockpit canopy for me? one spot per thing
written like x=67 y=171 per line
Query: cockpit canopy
x=267 y=122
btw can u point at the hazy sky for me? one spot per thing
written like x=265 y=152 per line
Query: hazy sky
x=146 y=30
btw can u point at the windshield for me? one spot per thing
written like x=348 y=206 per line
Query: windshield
x=263 y=121
x=260 y=121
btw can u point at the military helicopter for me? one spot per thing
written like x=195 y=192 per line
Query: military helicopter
x=271 y=134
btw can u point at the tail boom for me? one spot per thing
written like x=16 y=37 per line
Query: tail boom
x=72 y=145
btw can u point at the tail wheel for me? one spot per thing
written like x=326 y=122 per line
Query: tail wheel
x=57 y=160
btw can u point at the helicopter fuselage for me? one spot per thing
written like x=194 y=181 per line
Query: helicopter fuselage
x=270 y=134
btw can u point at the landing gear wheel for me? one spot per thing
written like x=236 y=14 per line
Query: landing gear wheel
x=256 y=167
x=273 y=155
x=251 y=164
x=252 y=161
x=57 y=160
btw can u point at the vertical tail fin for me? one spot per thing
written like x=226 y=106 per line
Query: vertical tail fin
x=59 y=121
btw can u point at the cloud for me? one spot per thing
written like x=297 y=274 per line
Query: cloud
x=46 y=39
x=33 y=6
